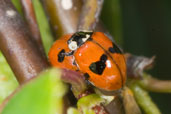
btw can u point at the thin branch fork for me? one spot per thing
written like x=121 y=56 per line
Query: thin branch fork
x=58 y=17
x=63 y=19
x=136 y=65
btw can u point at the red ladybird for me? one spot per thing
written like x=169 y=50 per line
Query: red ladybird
x=93 y=54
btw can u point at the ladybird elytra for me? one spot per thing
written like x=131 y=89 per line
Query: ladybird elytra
x=93 y=54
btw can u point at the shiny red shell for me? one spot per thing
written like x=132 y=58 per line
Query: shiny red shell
x=99 y=59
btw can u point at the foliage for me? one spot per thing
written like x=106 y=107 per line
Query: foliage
x=46 y=91
x=8 y=83
x=44 y=27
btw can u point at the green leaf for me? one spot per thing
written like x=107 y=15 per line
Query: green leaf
x=44 y=26
x=85 y=101
x=8 y=82
x=85 y=105
x=72 y=111
x=18 y=6
x=43 y=95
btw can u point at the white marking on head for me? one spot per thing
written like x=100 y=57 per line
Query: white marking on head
x=73 y=45
x=10 y=13
x=66 y=4
x=87 y=37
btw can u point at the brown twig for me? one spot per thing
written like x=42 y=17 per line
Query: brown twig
x=135 y=68
x=21 y=52
x=63 y=15
x=65 y=21
x=90 y=14
x=136 y=65
x=30 y=17
x=115 y=106
x=151 y=84
x=130 y=105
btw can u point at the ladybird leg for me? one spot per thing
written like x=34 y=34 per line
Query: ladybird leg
x=69 y=53
x=74 y=62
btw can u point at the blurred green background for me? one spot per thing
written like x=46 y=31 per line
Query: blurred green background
x=143 y=27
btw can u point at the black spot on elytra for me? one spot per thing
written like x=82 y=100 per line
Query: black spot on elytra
x=103 y=58
x=114 y=49
x=99 y=66
x=87 y=76
x=61 y=56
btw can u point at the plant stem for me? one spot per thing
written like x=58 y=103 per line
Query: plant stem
x=115 y=106
x=151 y=84
x=44 y=27
x=130 y=105
x=17 y=5
x=63 y=19
x=144 y=100
x=30 y=17
x=18 y=47
x=90 y=14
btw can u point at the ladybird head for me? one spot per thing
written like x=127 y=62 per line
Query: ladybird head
x=78 y=39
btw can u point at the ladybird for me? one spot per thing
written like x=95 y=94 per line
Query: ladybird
x=93 y=54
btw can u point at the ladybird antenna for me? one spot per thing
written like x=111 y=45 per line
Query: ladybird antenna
x=69 y=53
